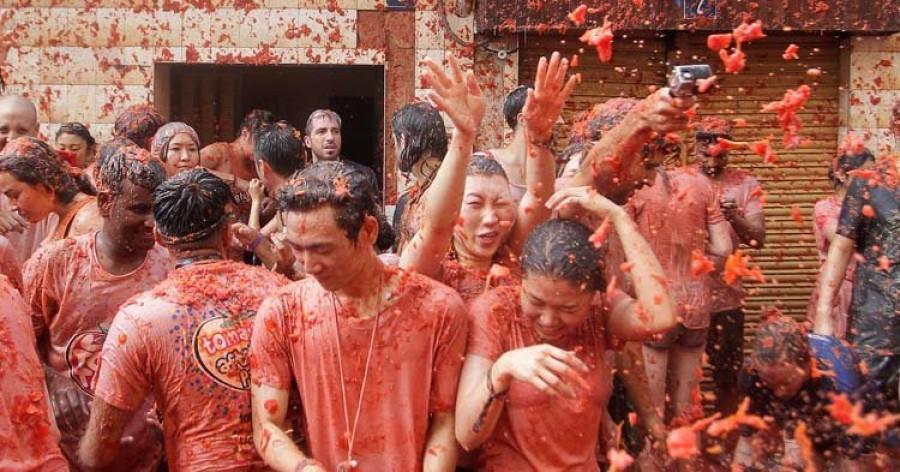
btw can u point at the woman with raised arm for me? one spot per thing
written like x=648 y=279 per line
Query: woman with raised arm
x=470 y=219
x=534 y=384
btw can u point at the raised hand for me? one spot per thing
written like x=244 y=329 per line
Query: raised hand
x=547 y=368
x=585 y=198
x=256 y=190
x=546 y=100
x=456 y=94
x=662 y=113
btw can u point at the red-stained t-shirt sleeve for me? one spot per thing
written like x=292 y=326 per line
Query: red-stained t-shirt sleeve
x=451 y=348
x=270 y=360
x=123 y=381
x=39 y=290
x=488 y=315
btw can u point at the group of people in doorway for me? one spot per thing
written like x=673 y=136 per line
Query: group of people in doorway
x=169 y=306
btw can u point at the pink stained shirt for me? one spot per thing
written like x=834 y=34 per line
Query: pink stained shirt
x=414 y=368
x=187 y=341
x=674 y=219
x=73 y=301
x=28 y=434
x=828 y=210
x=740 y=185
x=536 y=431
x=9 y=264
x=470 y=282
x=28 y=241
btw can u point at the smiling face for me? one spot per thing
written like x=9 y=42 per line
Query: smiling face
x=487 y=214
x=554 y=307
x=75 y=144
x=16 y=120
x=323 y=247
x=32 y=202
x=182 y=154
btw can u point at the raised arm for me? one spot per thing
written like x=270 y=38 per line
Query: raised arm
x=542 y=108
x=269 y=408
x=839 y=255
x=657 y=114
x=654 y=310
x=460 y=97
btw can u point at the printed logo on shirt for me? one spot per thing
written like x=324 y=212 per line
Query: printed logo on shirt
x=83 y=358
x=222 y=349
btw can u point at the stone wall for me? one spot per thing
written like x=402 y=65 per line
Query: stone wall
x=872 y=89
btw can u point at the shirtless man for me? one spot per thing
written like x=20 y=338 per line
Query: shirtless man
x=202 y=387
x=75 y=287
x=18 y=117
x=388 y=344
x=236 y=157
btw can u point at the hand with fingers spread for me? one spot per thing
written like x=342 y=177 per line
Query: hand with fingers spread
x=550 y=369
x=546 y=100
x=457 y=94
x=587 y=199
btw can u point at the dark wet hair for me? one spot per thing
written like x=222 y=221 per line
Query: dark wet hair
x=128 y=161
x=138 y=123
x=513 y=105
x=561 y=249
x=278 y=146
x=485 y=166
x=34 y=162
x=79 y=130
x=781 y=339
x=191 y=207
x=331 y=184
x=847 y=162
x=256 y=120
x=423 y=128
x=321 y=113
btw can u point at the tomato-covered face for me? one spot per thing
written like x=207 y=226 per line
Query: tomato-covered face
x=555 y=307
x=487 y=214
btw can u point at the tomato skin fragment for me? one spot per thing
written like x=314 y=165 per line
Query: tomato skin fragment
x=717 y=42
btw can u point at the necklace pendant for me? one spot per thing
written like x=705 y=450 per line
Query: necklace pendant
x=347 y=466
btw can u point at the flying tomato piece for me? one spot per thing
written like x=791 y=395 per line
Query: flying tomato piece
x=579 y=15
x=717 y=42
x=791 y=53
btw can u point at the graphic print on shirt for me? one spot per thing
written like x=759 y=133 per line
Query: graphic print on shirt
x=83 y=357
x=222 y=348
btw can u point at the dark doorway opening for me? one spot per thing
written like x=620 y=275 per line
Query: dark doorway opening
x=214 y=99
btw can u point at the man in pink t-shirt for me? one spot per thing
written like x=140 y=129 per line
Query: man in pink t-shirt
x=28 y=434
x=679 y=216
x=740 y=198
x=75 y=286
x=375 y=352
x=187 y=340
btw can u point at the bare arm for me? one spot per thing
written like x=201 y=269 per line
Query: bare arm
x=839 y=255
x=654 y=310
x=269 y=408
x=459 y=96
x=719 y=240
x=750 y=229
x=629 y=363
x=659 y=113
x=100 y=444
x=440 y=449
x=542 y=108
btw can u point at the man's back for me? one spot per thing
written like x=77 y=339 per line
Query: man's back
x=187 y=341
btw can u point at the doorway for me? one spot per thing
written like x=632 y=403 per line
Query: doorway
x=214 y=99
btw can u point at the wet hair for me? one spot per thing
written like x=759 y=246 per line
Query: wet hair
x=321 y=113
x=847 y=162
x=331 y=184
x=128 y=161
x=278 y=146
x=34 y=162
x=79 y=130
x=423 y=128
x=603 y=117
x=485 y=166
x=713 y=127
x=562 y=250
x=781 y=339
x=191 y=207
x=513 y=105
x=256 y=120
x=138 y=123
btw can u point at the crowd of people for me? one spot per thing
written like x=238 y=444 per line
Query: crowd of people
x=247 y=305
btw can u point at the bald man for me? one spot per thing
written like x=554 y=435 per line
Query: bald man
x=18 y=117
